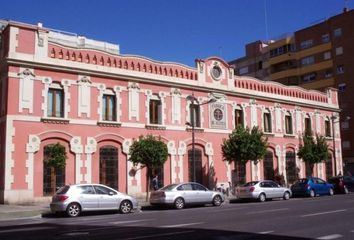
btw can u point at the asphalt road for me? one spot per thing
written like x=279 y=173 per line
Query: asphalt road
x=300 y=218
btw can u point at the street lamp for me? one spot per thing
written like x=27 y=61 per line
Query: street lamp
x=194 y=102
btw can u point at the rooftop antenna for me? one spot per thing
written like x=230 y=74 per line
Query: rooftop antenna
x=266 y=19
x=346 y=6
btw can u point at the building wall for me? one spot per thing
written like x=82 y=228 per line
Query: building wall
x=38 y=60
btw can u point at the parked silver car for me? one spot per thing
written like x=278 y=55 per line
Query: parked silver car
x=262 y=190
x=74 y=199
x=182 y=194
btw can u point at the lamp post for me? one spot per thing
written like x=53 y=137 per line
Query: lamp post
x=194 y=102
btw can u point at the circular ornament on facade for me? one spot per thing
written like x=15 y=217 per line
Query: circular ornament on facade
x=218 y=114
x=216 y=73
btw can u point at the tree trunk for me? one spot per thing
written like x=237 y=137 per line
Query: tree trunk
x=147 y=183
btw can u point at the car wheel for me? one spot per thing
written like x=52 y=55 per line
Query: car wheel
x=312 y=193
x=262 y=197
x=125 y=207
x=73 y=210
x=346 y=191
x=217 y=200
x=286 y=196
x=331 y=192
x=179 y=203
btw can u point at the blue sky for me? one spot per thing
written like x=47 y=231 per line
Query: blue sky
x=175 y=30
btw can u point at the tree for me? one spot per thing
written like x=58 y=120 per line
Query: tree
x=313 y=151
x=55 y=158
x=244 y=144
x=150 y=152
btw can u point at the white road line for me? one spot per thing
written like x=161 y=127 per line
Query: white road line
x=131 y=221
x=328 y=237
x=322 y=213
x=181 y=225
x=158 y=235
x=267 y=211
x=266 y=232
x=226 y=210
x=25 y=229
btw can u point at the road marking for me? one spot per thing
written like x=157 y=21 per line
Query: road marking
x=226 y=210
x=131 y=221
x=267 y=211
x=266 y=232
x=328 y=237
x=181 y=225
x=158 y=235
x=322 y=213
x=76 y=234
x=25 y=229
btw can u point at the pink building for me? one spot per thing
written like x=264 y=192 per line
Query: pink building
x=84 y=94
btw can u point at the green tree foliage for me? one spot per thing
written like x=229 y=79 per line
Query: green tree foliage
x=55 y=156
x=312 y=150
x=150 y=152
x=244 y=144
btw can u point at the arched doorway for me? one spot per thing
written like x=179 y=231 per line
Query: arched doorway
x=160 y=176
x=109 y=166
x=329 y=167
x=290 y=167
x=198 y=166
x=268 y=166
x=53 y=177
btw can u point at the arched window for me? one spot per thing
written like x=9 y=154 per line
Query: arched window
x=198 y=166
x=52 y=177
x=290 y=167
x=268 y=166
x=109 y=166
x=160 y=176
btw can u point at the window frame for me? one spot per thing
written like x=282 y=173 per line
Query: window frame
x=106 y=107
x=52 y=100
x=267 y=121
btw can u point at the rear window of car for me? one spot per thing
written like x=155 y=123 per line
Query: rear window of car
x=250 y=184
x=63 y=190
x=302 y=181
x=169 y=187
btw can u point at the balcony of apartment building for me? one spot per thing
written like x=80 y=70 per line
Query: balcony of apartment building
x=283 y=69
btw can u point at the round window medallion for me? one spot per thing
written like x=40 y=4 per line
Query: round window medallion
x=218 y=114
x=216 y=72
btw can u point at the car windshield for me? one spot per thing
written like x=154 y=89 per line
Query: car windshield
x=169 y=187
x=250 y=184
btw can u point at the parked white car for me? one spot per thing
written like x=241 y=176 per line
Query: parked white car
x=74 y=199
x=262 y=190
x=182 y=194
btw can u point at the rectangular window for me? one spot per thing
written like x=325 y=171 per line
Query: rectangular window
x=195 y=115
x=327 y=55
x=341 y=87
x=306 y=44
x=155 y=111
x=308 y=60
x=238 y=117
x=328 y=73
x=337 y=32
x=308 y=125
x=55 y=103
x=339 y=50
x=109 y=108
x=327 y=128
x=267 y=122
x=288 y=124
x=243 y=70
x=340 y=69
x=325 y=38
x=309 y=77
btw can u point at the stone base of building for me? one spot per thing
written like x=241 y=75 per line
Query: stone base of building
x=21 y=197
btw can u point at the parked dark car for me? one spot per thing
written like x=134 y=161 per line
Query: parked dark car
x=312 y=186
x=342 y=184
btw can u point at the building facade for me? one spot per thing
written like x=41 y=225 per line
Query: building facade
x=94 y=101
x=315 y=57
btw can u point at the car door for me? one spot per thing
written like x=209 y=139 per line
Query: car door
x=186 y=191
x=202 y=193
x=267 y=189
x=108 y=199
x=88 y=198
x=278 y=191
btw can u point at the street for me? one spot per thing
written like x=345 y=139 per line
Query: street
x=299 y=218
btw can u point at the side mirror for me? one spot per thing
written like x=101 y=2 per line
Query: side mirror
x=111 y=193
